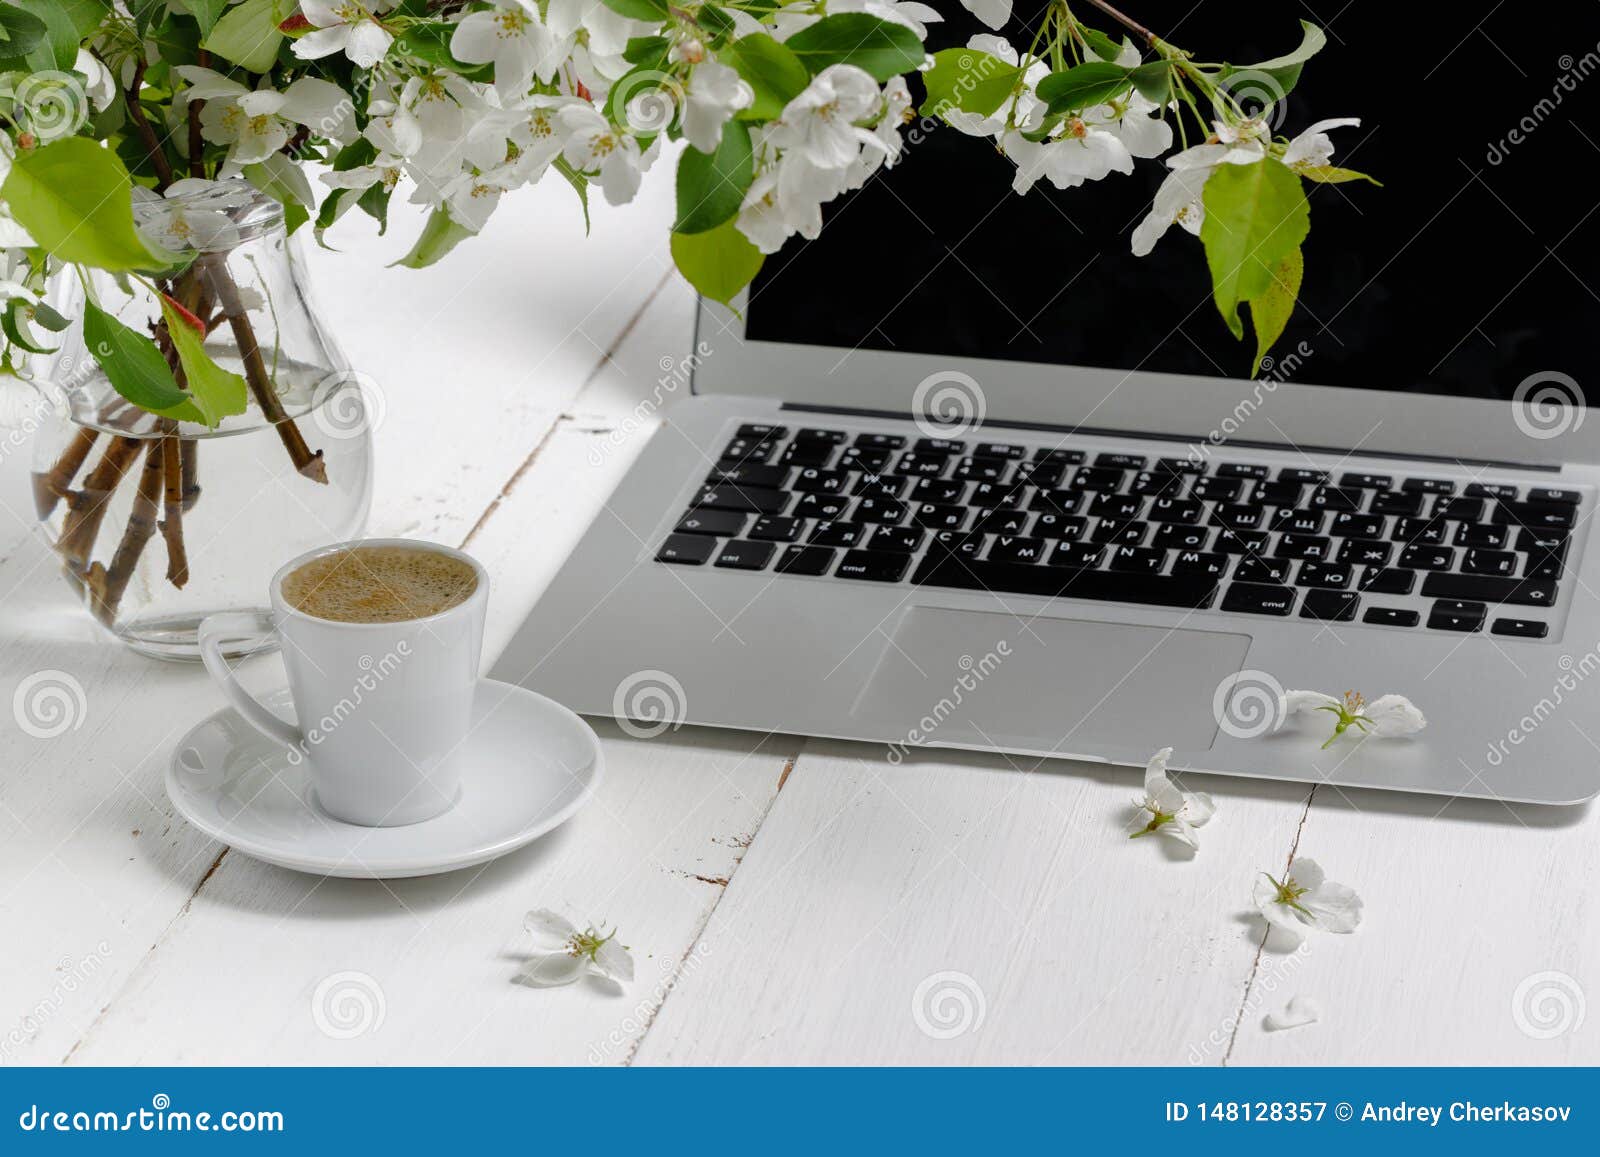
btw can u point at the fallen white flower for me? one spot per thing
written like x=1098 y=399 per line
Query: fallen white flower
x=1171 y=812
x=1305 y=899
x=562 y=954
x=1388 y=716
x=1300 y=1010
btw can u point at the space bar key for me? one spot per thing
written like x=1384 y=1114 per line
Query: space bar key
x=1063 y=582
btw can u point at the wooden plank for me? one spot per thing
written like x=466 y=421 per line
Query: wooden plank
x=1477 y=944
x=881 y=906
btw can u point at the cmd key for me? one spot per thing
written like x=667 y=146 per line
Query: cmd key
x=1259 y=599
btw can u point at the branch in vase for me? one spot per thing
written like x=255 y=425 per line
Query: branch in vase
x=50 y=487
x=86 y=508
x=172 y=507
x=106 y=584
x=189 y=454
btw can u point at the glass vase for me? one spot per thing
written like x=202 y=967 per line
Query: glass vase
x=160 y=522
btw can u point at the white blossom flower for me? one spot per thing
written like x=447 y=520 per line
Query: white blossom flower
x=539 y=135
x=385 y=169
x=512 y=38
x=1301 y=1010
x=820 y=124
x=1313 y=149
x=1305 y=899
x=253 y=123
x=715 y=94
x=907 y=13
x=1177 y=202
x=604 y=30
x=1166 y=810
x=99 y=85
x=562 y=954
x=994 y=13
x=1026 y=108
x=347 y=26
x=1243 y=143
x=594 y=144
x=192 y=213
x=1388 y=716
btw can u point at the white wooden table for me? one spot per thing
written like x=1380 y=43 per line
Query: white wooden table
x=787 y=900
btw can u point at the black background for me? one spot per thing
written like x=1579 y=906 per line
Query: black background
x=1458 y=276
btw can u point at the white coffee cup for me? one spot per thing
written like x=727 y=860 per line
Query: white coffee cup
x=383 y=708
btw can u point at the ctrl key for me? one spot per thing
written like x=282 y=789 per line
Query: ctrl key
x=688 y=549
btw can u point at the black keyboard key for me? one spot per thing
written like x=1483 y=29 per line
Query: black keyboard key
x=1275 y=494
x=1298 y=521
x=1059 y=456
x=1496 y=562
x=922 y=465
x=1491 y=490
x=1008 y=549
x=742 y=499
x=748 y=474
x=981 y=470
x=690 y=549
x=1242 y=470
x=1331 y=575
x=998 y=450
x=837 y=534
x=1068 y=527
x=865 y=459
x=1041 y=474
x=1368 y=481
x=808 y=454
x=940 y=446
x=1236 y=516
x=938 y=516
x=1330 y=606
x=956 y=543
x=824 y=506
x=937 y=490
x=1543 y=541
x=1177 y=536
x=1057 y=501
x=775 y=528
x=1066 y=582
x=1387 y=581
x=1269 y=571
x=1487 y=589
x=1002 y=521
x=1460 y=509
x=1303 y=546
x=1121 y=461
x=827 y=437
x=812 y=560
x=1391 y=617
x=876 y=566
x=1179 y=466
x=1153 y=482
x=1425 y=486
x=1176 y=510
x=811 y=480
x=747 y=450
x=1216 y=489
x=1455 y=615
x=881 y=485
x=1365 y=552
x=1347 y=525
x=1301 y=474
x=1419 y=531
x=1396 y=502
x=721 y=523
x=904 y=539
x=1254 y=599
x=1543 y=516
x=1120 y=532
x=880 y=511
x=1482 y=534
x=880 y=441
x=1336 y=498
x=1420 y=557
x=1252 y=542
x=1520 y=628
x=1138 y=559
x=1546 y=494
x=1097 y=478
x=760 y=432
x=996 y=496
x=1197 y=562
x=1081 y=555
x=741 y=555
x=1120 y=506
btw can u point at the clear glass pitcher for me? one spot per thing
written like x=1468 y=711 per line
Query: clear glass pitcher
x=159 y=523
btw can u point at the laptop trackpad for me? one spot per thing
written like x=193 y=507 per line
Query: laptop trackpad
x=988 y=679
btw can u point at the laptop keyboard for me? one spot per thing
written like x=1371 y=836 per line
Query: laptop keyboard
x=1238 y=536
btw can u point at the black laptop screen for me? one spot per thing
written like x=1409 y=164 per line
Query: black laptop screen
x=1476 y=265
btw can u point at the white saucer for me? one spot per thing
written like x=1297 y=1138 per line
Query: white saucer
x=530 y=765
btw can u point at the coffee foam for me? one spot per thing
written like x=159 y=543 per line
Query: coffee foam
x=379 y=584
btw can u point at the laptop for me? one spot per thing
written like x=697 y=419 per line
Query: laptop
x=963 y=473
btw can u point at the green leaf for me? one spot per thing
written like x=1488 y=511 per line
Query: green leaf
x=134 y=367
x=248 y=34
x=20 y=32
x=1270 y=312
x=966 y=80
x=711 y=187
x=213 y=391
x=579 y=183
x=773 y=72
x=654 y=11
x=75 y=198
x=13 y=323
x=719 y=262
x=205 y=13
x=1154 y=80
x=438 y=237
x=1333 y=175
x=1083 y=85
x=1285 y=69
x=717 y=24
x=59 y=48
x=1099 y=43
x=881 y=49
x=47 y=316
x=429 y=42
x=1256 y=216
x=650 y=50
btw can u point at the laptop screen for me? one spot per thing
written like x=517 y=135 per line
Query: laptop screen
x=1475 y=266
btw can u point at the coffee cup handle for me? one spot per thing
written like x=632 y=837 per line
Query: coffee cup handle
x=216 y=630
